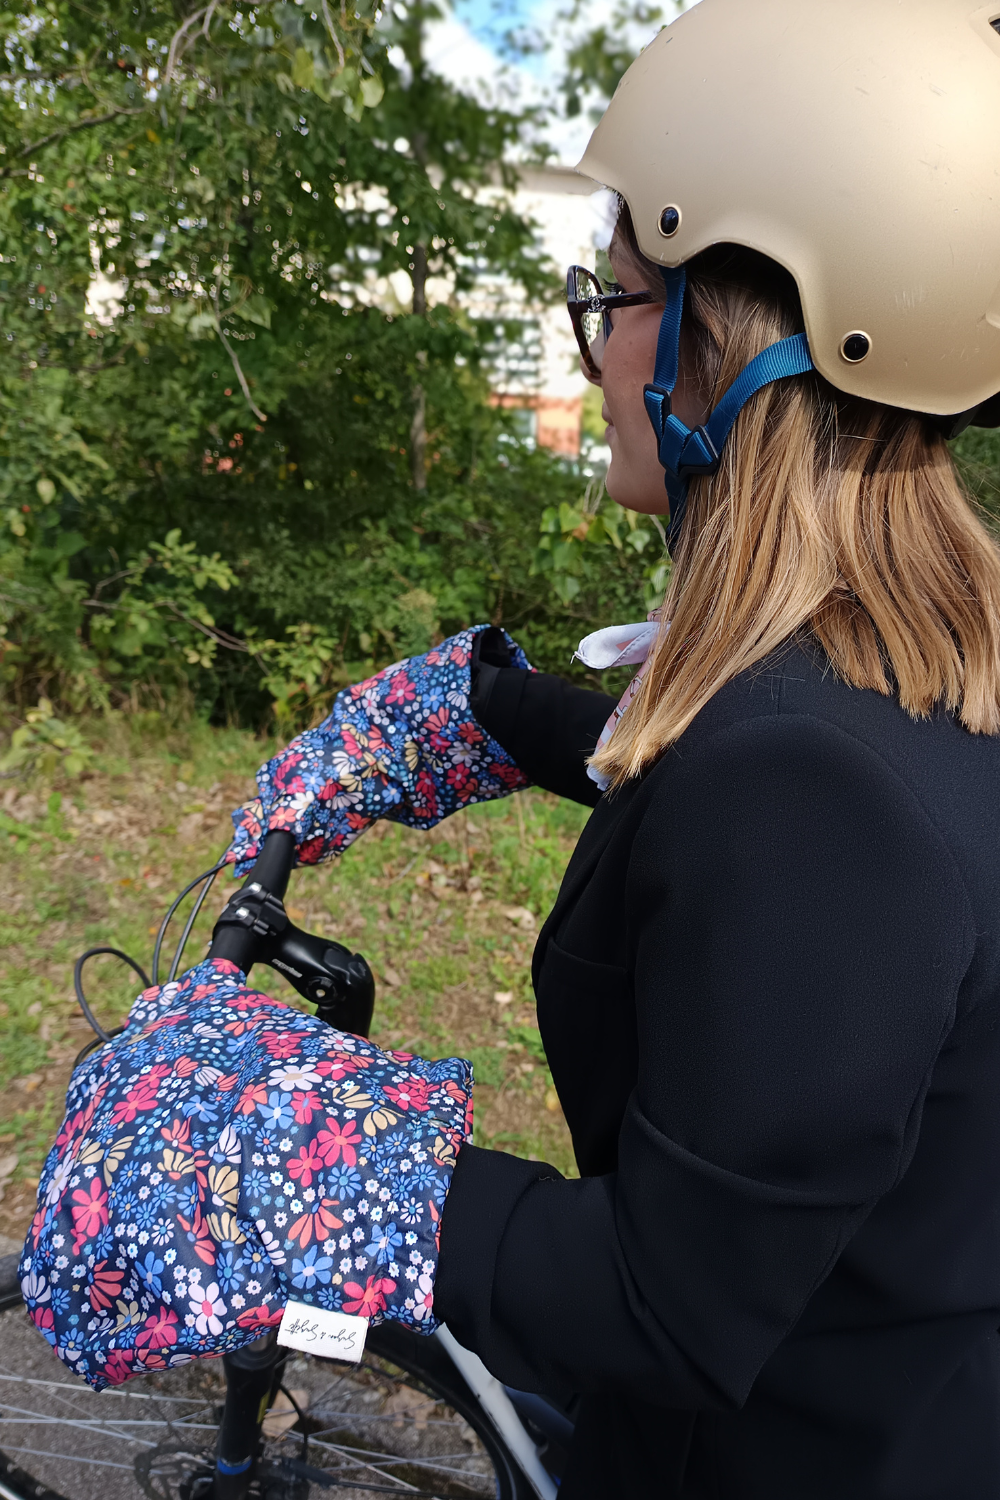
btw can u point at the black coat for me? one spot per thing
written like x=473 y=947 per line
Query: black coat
x=769 y=993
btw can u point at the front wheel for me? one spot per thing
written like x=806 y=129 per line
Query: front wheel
x=400 y=1423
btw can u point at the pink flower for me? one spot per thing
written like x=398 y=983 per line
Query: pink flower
x=105 y=1286
x=301 y=1168
x=338 y=1141
x=370 y=1299
x=90 y=1213
x=305 y=1105
x=412 y=1094
x=118 y=1366
x=159 y=1330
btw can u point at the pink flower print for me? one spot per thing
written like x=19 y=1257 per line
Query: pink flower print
x=43 y=1319
x=118 y=1366
x=284 y=1044
x=338 y=1142
x=260 y=1317
x=90 y=1213
x=437 y=724
x=319 y=1219
x=368 y=1300
x=303 y=1167
x=159 y=1330
x=402 y=690
x=312 y=850
x=105 y=1286
x=305 y=1105
x=207 y=1306
x=412 y=1094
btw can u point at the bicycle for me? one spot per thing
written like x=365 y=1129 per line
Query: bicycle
x=419 y=1416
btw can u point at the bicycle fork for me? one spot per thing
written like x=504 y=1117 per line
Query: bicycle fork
x=253 y=1375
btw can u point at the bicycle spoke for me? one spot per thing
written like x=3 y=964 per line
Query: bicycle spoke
x=363 y=1432
x=71 y=1458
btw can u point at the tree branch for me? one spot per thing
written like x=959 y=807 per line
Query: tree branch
x=180 y=39
x=58 y=135
x=244 y=387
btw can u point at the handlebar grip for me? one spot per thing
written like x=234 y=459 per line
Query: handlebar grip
x=273 y=864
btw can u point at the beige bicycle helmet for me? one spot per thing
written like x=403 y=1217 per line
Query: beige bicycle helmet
x=856 y=143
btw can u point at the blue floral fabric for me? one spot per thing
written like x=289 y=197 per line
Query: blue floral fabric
x=224 y=1154
x=401 y=745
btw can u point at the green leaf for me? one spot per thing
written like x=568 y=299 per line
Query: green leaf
x=255 y=309
x=372 y=92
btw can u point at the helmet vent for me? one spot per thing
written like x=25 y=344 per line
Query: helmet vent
x=996 y=24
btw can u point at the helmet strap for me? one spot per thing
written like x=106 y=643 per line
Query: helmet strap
x=684 y=453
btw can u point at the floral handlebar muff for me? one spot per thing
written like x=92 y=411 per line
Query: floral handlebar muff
x=402 y=745
x=224 y=1154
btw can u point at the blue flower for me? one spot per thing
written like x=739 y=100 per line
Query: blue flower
x=277 y=1111
x=150 y=1272
x=312 y=1268
x=228 y=1270
x=204 y=1112
x=384 y=1243
x=343 y=1182
x=187 y=1198
x=255 y=1182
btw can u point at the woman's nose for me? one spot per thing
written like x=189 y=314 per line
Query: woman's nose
x=589 y=374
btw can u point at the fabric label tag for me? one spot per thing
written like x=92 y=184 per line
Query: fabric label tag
x=316 y=1330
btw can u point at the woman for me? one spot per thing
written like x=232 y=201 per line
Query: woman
x=770 y=987
x=769 y=990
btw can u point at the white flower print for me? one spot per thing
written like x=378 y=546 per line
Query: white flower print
x=207 y=1307
x=59 y=1182
x=293 y=1076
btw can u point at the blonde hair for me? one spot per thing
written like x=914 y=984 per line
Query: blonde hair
x=829 y=517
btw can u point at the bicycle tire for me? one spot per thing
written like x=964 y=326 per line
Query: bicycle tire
x=413 y=1378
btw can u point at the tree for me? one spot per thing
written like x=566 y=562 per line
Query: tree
x=219 y=482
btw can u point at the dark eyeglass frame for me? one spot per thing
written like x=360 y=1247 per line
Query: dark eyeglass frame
x=603 y=302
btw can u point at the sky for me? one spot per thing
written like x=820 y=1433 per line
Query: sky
x=467 y=47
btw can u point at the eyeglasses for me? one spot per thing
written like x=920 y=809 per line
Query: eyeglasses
x=591 y=311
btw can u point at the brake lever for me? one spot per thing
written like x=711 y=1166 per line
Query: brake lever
x=339 y=983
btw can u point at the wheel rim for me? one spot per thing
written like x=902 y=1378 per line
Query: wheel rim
x=364 y=1432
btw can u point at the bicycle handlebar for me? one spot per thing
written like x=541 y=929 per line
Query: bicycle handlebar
x=254 y=928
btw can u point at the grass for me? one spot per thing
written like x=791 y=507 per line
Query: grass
x=446 y=919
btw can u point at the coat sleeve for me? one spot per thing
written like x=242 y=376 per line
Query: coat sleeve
x=547 y=726
x=797 y=938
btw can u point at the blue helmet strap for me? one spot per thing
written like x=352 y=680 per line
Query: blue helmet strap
x=684 y=453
